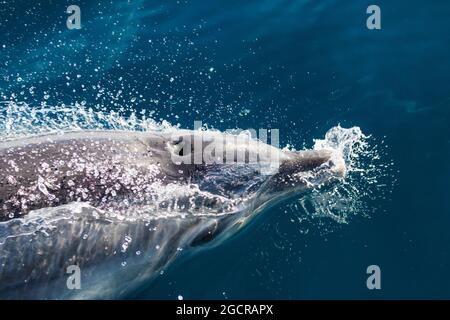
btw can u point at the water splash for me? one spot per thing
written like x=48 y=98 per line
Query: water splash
x=369 y=178
x=18 y=119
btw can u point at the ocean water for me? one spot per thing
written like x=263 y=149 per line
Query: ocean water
x=302 y=67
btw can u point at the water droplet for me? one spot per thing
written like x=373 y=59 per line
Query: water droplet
x=11 y=180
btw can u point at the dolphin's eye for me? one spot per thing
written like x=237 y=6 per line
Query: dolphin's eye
x=181 y=153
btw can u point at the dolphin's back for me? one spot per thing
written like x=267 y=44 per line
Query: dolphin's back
x=79 y=166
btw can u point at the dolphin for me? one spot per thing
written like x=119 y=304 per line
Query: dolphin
x=121 y=205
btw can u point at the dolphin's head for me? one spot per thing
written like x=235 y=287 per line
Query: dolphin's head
x=248 y=173
x=241 y=167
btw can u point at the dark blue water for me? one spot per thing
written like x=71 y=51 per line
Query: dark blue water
x=299 y=66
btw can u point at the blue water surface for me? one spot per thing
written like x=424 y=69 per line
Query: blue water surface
x=299 y=66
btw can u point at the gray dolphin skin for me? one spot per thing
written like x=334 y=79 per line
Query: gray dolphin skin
x=121 y=205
